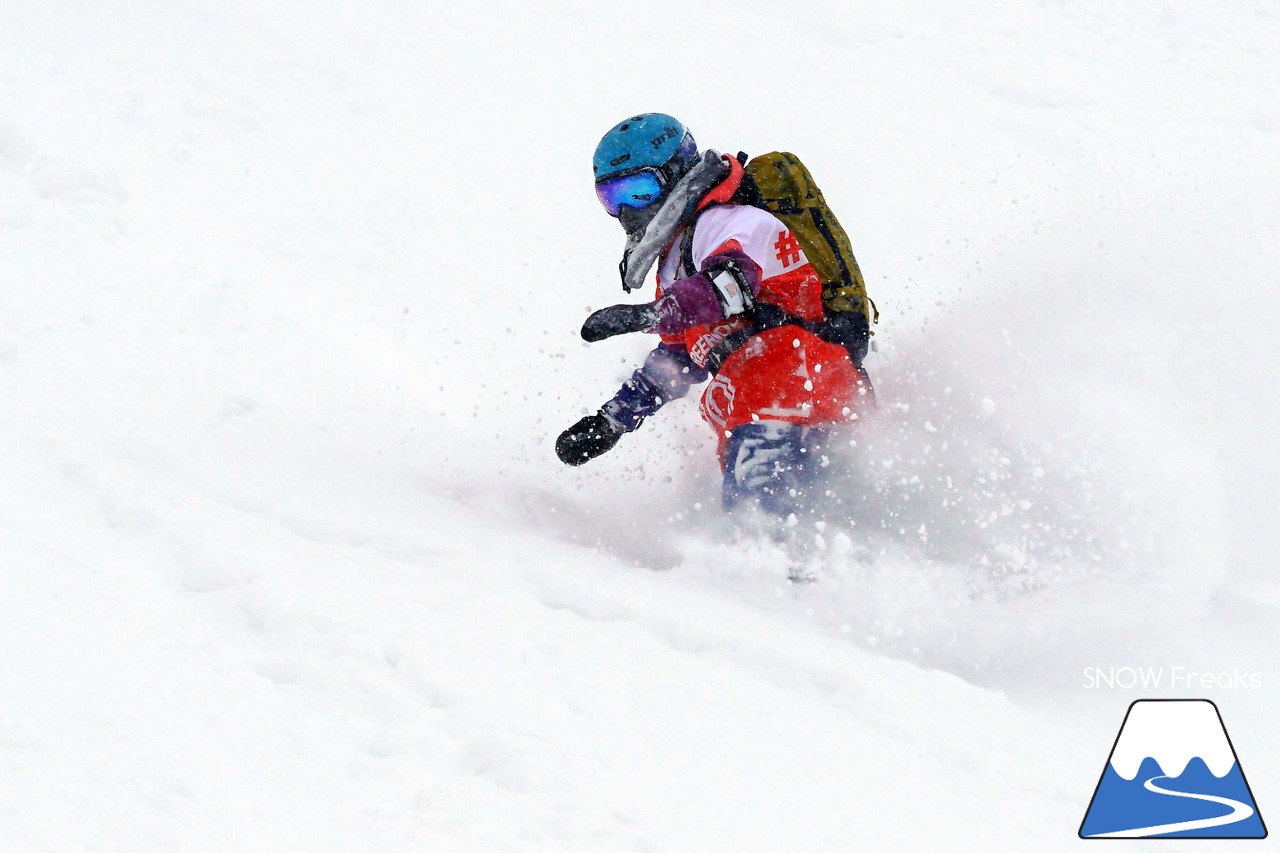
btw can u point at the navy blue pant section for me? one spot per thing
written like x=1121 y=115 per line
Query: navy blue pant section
x=776 y=464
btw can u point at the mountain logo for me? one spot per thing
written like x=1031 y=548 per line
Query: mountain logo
x=1172 y=773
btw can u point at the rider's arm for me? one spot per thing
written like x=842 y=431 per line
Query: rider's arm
x=667 y=374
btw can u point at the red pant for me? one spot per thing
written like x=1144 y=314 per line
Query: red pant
x=785 y=374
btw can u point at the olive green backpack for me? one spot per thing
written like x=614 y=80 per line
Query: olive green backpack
x=779 y=183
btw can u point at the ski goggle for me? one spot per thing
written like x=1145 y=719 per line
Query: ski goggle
x=638 y=190
x=642 y=187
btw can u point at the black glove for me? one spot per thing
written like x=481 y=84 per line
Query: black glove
x=619 y=320
x=587 y=439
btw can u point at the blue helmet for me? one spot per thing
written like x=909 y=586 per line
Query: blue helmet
x=647 y=140
x=637 y=160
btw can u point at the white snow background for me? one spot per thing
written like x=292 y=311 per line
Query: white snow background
x=289 y=300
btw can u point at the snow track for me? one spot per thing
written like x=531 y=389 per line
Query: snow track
x=1239 y=811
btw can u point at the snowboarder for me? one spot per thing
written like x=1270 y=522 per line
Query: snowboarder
x=738 y=302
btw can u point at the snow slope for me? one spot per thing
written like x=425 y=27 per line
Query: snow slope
x=289 y=296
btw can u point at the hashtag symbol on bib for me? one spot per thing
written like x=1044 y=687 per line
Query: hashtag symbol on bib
x=788 y=248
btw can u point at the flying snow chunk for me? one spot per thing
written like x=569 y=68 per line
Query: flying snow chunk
x=1173 y=773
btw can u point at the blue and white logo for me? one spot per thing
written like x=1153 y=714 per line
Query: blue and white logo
x=1173 y=773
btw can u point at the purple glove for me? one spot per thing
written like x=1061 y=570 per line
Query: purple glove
x=726 y=287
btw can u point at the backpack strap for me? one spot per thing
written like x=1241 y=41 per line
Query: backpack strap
x=765 y=316
x=820 y=222
x=748 y=193
x=686 y=248
x=686 y=243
